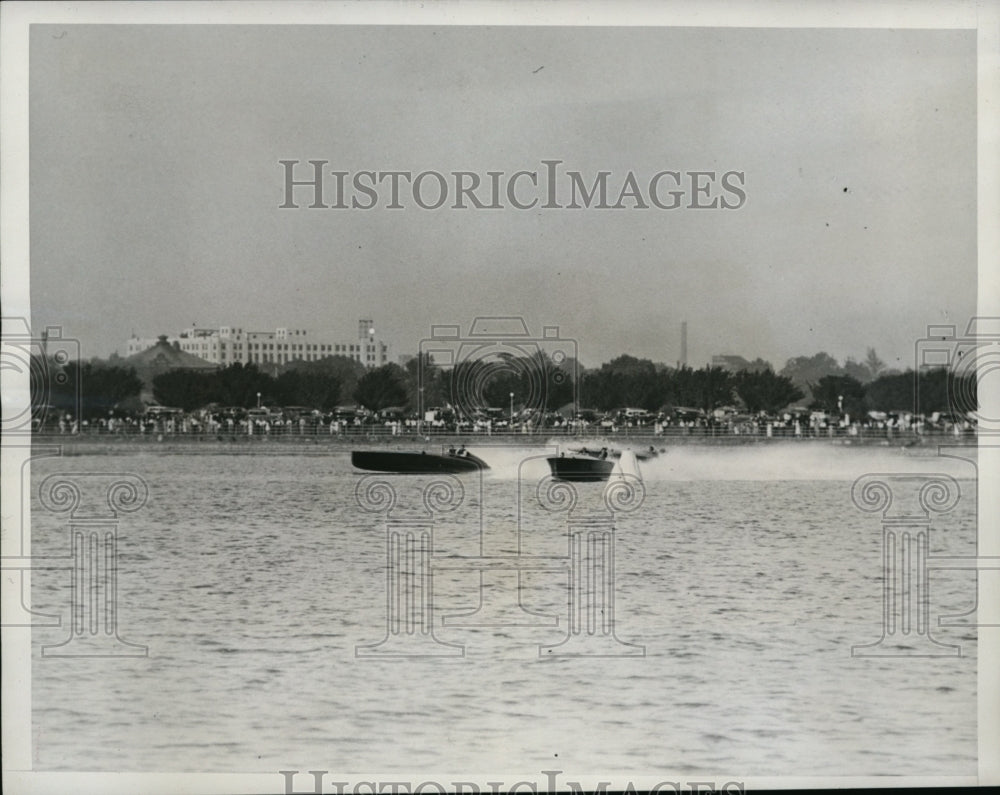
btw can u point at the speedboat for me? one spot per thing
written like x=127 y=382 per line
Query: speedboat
x=407 y=462
x=584 y=467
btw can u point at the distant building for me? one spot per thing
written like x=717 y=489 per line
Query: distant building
x=230 y=344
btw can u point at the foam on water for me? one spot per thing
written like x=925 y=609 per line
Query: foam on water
x=802 y=460
x=508 y=462
x=797 y=461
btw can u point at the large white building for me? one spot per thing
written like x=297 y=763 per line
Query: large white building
x=229 y=344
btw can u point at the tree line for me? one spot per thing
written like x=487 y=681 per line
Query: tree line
x=536 y=381
x=816 y=382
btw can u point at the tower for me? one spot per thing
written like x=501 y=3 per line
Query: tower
x=684 y=343
x=369 y=347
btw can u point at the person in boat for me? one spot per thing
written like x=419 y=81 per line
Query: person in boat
x=451 y=450
x=604 y=453
x=461 y=450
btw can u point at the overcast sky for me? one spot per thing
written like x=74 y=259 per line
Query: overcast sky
x=155 y=183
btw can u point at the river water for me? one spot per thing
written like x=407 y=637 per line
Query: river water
x=741 y=583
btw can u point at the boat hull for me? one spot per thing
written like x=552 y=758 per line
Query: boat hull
x=580 y=470
x=415 y=463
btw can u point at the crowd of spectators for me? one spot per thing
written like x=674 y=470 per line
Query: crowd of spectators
x=232 y=422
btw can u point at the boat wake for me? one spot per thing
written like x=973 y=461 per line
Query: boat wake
x=805 y=460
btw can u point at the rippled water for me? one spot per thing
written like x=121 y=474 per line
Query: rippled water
x=747 y=574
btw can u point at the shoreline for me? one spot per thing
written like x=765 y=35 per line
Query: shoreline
x=325 y=445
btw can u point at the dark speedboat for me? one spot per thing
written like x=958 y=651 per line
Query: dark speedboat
x=416 y=463
x=585 y=468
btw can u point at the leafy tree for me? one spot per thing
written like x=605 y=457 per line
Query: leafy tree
x=101 y=386
x=422 y=373
x=239 y=384
x=317 y=390
x=891 y=392
x=925 y=391
x=595 y=390
x=834 y=392
x=963 y=394
x=475 y=384
x=381 y=388
x=932 y=390
x=857 y=370
x=46 y=389
x=344 y=369
x=536 y=381
x=502 y=383
x=705 y=388
x=236 y=385
x=765 y=391
x=624 y=382
x=558 y=379
x=600 y=390
x=185 y=389
x=866 y=371
x=806 y=370
x=737 y=364
x=874 y=364
x=479 y=383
